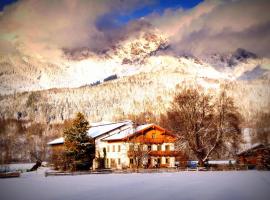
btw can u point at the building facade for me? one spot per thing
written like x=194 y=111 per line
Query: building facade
x=258 y=156
x=125 y=145
x=147 y=146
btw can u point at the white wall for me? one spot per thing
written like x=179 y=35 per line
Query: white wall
x=123 y=153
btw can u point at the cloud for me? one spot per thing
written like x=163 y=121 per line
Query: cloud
x=46 y=27
x=217 y=27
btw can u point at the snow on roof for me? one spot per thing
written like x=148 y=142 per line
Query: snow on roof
x=254 y=146
x=127 y=132
x=56 y=141
x=96 y=131
x=122 y=134
x=142 y=127
x=99 y=130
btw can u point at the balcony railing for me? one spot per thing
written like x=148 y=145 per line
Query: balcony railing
x=164 y=153
x=154 y=141
x=155 y=153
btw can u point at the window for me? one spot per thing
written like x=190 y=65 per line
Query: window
x=113 y=148
x=113 y=163
x=131 y=160
x=119 y=148
x=108 y=148
x=119 y=161
x=153 y=136
x=167 y=147
x=131 y=147
x=159 y=147
x=149 y=147
x=167 y=160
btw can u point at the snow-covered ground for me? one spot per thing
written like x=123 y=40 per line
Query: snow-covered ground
x=229 y=185
x=16 y=167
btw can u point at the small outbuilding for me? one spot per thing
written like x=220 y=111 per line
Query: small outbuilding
x=258 y=156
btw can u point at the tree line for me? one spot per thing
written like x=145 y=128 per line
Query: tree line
x=206 y=126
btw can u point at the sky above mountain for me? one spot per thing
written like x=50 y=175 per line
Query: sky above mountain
x=193 y=27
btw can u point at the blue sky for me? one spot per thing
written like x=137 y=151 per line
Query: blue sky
x=119 y=18
x=157 y=6
x=3 y=3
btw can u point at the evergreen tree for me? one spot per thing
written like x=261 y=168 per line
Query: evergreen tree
x=79 y=147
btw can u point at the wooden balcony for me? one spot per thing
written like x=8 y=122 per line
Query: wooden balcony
x=164 y=153
x=155 y=153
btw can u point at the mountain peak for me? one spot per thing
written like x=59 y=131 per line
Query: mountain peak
x=241 y=55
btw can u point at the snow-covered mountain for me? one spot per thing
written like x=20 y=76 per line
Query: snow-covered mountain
x=143 y=52
x=137 y=74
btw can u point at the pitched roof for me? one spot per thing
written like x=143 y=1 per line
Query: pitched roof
x=253 y=147
x=143 y=127
x=56 y=141
x=146 y=126
x=130 y=131
x=120 y=135
x=99 y=130
x=96 y=131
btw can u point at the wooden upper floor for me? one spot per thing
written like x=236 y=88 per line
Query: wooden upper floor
x=147 y=134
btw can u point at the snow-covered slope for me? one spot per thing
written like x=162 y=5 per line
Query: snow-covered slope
x=143 y=52
x=148 y=75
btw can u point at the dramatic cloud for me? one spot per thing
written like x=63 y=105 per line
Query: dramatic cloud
x=218 y=26
x=45 y=27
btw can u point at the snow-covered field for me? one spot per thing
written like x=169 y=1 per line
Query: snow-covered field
x=16 y=167
x=238 y=185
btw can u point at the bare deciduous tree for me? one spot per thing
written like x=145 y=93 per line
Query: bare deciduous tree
x=136 y=152
x=262 y=129
x=204 y=124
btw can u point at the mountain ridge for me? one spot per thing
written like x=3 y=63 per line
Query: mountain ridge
x=141 y=52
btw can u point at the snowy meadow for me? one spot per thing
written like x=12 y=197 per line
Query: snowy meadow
x=181 y=185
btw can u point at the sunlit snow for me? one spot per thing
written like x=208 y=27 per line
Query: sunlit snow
x=235 y=185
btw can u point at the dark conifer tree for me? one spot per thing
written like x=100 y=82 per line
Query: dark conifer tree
x=79 y=147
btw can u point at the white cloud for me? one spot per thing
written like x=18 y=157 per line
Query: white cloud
x=46 y=27
x=218 y=26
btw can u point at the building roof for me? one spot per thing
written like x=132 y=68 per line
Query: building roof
x=56 y=141
x=130 y=131
x=99 y=130
x=96 y=131
x=143 y=127
x=146 y=126
x=121 y=135
x=252 y=148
